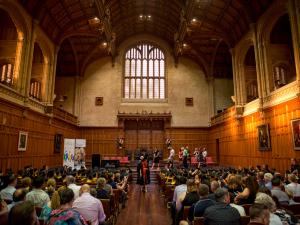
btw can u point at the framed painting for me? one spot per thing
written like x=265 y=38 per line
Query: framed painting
x=57 y=142
x=22 y=143
x=264 y=142
x=295 y=124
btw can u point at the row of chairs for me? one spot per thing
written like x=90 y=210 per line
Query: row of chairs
x=244 y=220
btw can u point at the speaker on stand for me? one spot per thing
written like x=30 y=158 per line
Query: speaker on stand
x=96 y=160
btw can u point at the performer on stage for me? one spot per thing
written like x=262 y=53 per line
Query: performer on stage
x=198 y=157
x=203 y=157
x=180 y=154
x=185 y=157
x=155 y=158
x=171 y=157
x=143 y=173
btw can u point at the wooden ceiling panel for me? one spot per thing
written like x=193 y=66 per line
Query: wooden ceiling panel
x=217 y=20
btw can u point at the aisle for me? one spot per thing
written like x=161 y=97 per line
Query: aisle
x=144 y=208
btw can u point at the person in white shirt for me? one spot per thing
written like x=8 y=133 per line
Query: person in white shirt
x=89 y=207
x=70 y=180
x=7 y=193
x=294 y=187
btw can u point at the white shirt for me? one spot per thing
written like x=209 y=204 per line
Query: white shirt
x=7 y=193
x=274 y=220
x=75 y=189
x=239 y=208
x=90 y=208
x=172 y=153
x=295 y=188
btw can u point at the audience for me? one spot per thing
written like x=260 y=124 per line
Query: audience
x=259 y=215
x=222 y=212
x=38 y=196
x=89 y=207
x=65 y=214
x=197 y=209
x=7 y=193
x=23 y=213
x=266 y=200
x=268 y=178
x=70 y=180
x=293 y=186
x=282 y=197
x=18 y=197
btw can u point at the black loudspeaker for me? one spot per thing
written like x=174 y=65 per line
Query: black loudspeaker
x=96 y=160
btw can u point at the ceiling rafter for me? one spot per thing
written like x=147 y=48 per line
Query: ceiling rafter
x=104 y=14
x=185 y=16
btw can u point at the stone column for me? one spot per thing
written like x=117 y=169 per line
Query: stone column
x=77 y=95
x=211 y=94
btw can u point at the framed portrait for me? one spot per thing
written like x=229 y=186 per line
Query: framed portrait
x=264 y=142
x=58 y=138
x=22 y=143
x=296 y=133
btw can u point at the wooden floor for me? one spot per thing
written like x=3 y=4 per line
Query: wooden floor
x=144 y=208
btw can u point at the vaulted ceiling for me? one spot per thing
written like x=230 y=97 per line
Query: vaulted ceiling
x=203 y=30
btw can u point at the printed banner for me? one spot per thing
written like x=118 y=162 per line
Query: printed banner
x=69 y=148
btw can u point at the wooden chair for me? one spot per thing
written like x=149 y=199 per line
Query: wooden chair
x=38 y=210
x=244 y=220
x=107 y=208
x=198 y=221
x=186 y=210
x=247 y=207
x=296 y=198
x=4 y=218
x=293 y=208
x=117 y=194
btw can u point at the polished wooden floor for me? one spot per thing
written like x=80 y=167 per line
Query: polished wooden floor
x=144 y=208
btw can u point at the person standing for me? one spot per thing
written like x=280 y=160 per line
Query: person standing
x=155 y=158
x=171 y=157
x=143 y=173
x=185 y=157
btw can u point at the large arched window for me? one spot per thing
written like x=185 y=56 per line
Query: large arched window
x=144 y=74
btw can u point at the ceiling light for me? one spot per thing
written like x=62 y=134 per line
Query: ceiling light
x=184 y=44
x=149 y=16
x=104 y=44
x=194 y=20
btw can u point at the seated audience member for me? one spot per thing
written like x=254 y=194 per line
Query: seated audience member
x=51 y=205
x=50 y=186
x=189 y=197
x=101 y=191
x=23 y=214
x=26 y=183
x=38 y=196
x=70 y=180
x=180 y=188
x=197 y=209
x=222 y=212
x=265 y=199
x=18 y=196
x=233 y=186
x=249 y=192
x=282 y=197
x=268 y=178
x=214 y=185
x=285 y=216
x=65 y=214
x=260 y=179
x=293 y=186
x=89 y=207
x=259 y=215
x=7 y=193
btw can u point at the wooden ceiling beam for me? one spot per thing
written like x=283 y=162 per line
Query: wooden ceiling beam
x=104 y=15
x=185 y=16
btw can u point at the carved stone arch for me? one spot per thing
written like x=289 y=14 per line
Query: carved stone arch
x=18 y=17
